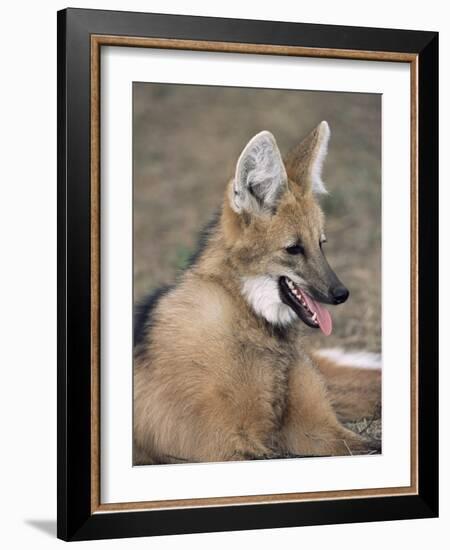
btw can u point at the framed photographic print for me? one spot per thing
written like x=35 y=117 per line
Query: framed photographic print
x=248 y=296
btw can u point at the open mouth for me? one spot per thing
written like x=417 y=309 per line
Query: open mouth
x=311 y=312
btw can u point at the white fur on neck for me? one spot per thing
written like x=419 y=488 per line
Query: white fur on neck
x=262 y=293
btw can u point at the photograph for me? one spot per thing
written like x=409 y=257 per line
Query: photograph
x=257 y=245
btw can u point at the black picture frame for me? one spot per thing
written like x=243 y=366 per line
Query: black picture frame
x=76 y=521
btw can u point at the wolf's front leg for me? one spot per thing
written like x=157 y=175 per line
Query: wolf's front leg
x=232 y=425
x=310 y=426
x=205 y=427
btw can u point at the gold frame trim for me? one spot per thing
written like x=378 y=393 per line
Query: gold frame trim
x=97 y=41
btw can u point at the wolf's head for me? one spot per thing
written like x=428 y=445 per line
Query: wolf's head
x=275 y=229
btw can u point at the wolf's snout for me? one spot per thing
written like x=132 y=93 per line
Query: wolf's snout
x=340 y=294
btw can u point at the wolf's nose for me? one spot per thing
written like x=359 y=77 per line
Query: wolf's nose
x=340 y=294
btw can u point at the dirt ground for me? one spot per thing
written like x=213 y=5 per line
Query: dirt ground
x=186 y=141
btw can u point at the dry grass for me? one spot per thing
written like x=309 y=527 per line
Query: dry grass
x=368 y=427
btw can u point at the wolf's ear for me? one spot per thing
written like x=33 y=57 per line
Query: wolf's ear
x=304 y=163
x=260 y=177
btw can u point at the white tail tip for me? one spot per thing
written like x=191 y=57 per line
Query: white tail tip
x=357 y=359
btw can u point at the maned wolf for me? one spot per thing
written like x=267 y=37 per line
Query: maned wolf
x=220 y=371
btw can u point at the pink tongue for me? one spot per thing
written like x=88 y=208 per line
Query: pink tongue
x=323 y=316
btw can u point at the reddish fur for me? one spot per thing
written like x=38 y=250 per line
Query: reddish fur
x=213 y=381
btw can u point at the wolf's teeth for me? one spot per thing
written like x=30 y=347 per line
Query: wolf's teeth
x=314 y=317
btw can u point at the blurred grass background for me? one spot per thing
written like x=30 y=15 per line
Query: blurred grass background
x=186 y=141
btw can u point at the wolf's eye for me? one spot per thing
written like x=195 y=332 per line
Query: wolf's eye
x=295 y=249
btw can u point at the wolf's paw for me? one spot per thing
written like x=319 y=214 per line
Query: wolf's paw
x=254 y=451
x=248 y=455
x=360 y=445
x=267 y=456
